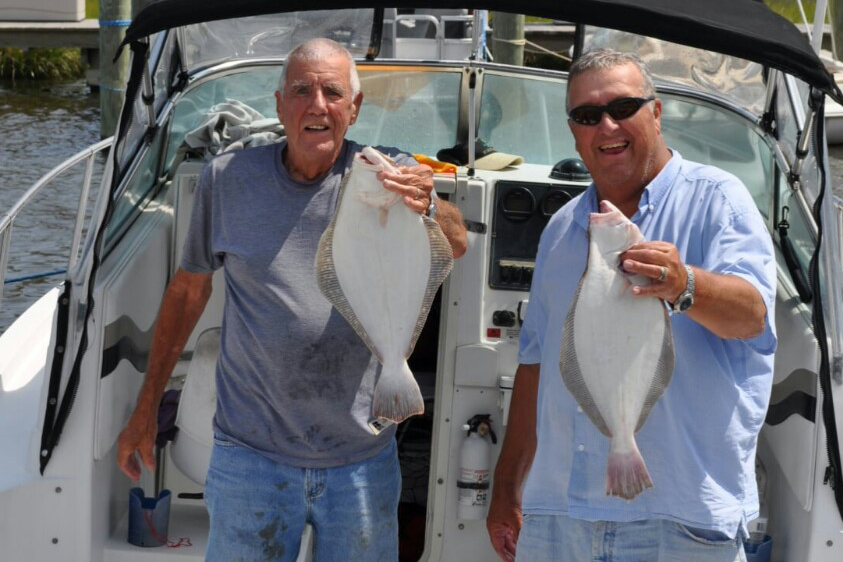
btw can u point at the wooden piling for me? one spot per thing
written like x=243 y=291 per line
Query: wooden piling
x=115 y=16
x=835 y=18
x=508 y=38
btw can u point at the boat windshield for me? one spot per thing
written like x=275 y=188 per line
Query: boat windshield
x=274 y=35
x=417 y=109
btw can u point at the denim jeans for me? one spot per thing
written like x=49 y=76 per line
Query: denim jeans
x=557 y=538
x=259 y=508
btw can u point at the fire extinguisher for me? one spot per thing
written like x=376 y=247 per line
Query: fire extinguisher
x=475 y=468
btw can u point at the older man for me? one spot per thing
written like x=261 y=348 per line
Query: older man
x=711 y=261
x=292 y=438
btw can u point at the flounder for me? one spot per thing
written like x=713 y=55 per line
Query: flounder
x=617 y=349
x=380 y=264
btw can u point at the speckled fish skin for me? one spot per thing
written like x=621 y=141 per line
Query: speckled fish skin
x=617 y=349
x=380 y=263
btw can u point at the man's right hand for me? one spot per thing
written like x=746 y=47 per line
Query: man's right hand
x=138 y=435
x=504 y=525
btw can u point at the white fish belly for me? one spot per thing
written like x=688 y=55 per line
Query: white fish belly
x=382 y=266
x=618 y=340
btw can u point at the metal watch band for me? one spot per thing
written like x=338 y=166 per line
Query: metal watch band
x=686 y=298
x=431 y=209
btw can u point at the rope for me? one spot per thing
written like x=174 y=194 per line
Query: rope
x=548 y=51
x=517 y=42
x=34 y=276
x=523 y=42
x=183 y=541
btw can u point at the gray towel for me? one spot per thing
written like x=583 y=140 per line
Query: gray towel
x=233 y=125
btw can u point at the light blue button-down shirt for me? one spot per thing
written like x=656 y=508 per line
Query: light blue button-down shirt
x=700 y=438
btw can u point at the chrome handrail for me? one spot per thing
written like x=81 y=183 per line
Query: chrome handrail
x=835 y=305
x=8 y=219
x=838 y=213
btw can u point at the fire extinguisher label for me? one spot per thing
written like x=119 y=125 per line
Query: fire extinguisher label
x=473 y=487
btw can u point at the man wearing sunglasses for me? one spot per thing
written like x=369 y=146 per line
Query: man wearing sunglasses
x=710 y=259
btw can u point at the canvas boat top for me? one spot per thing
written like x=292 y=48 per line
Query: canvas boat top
x=742 y=28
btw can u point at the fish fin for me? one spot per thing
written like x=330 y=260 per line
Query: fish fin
x=328 y=282
x=397 y=394
x=441 y=263
x=626 y=474
x=569 y=367
x=664 y=372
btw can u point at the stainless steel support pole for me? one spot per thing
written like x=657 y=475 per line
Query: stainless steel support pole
x=5 y=237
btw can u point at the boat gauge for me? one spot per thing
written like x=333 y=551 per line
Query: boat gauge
x=518 y=204
x=553 y=201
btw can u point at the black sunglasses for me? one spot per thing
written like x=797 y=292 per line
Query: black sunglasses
x=618 y=109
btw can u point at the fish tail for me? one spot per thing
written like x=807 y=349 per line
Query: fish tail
x=626 y=474
x=397 y=394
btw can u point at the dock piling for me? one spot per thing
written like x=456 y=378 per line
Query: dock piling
x=115 y=17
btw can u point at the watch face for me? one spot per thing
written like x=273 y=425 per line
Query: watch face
x=685 y=302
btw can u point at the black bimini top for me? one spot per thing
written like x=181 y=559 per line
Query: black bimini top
x=743 y=28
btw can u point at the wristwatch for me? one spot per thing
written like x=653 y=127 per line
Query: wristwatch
x=686 y=298
x=431 y=209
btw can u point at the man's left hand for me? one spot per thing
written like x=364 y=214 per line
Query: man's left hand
x=414 y=183
x=659 y=261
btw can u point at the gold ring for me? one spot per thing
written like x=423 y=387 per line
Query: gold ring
x=418 y=193
x=663 y=274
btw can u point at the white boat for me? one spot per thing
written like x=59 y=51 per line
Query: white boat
x=71 y=365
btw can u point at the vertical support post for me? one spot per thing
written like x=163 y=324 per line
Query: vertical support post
x=115 y=16
x=472 y=120
x=5 y=238
x=508 y=38
x=835 y=17
x=819 y=24
x=80 y=212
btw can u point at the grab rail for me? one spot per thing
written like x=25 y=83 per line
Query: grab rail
x=87 y=156
x=837 y=321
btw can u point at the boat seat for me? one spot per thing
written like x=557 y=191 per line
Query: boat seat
x=185 y=181
x=191 y=447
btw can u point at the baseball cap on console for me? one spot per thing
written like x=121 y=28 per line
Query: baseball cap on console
x=485 y=157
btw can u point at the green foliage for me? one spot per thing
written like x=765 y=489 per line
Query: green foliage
x=41 y=64
x=790 y=9
x=92 y=8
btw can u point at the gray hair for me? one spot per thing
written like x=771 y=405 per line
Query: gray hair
x=604 y=59
x=317 y=49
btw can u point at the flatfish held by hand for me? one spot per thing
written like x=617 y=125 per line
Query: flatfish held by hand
x=617 y=349
x=380 y=263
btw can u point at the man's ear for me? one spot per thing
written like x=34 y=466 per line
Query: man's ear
x=657 y=113
x=278 y=106
x=356 y=103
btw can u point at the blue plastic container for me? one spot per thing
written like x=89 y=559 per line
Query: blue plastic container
x=149 y=518
x=758 y=551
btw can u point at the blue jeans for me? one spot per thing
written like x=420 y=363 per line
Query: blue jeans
x=557 y=538
x=259 y=508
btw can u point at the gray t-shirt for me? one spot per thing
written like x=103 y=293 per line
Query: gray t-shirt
x=294 y=381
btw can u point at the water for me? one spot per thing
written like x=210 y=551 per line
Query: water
x=41 y=126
